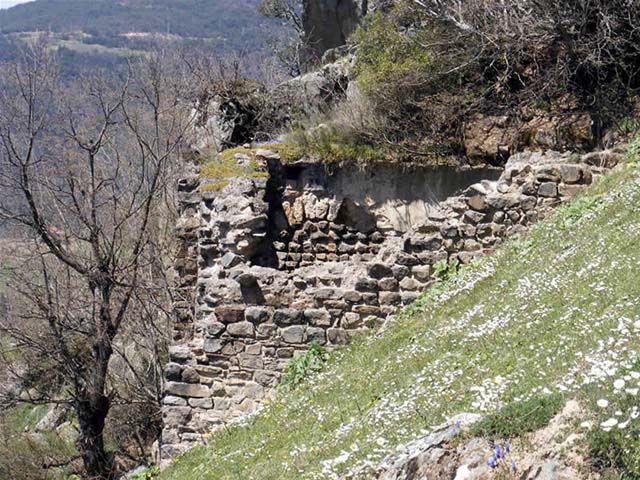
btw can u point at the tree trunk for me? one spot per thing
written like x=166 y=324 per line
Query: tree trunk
x=92 y=414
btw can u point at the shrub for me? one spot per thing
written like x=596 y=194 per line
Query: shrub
x=388 y=55
x=518 y=418
x=399 y=67
x=428 y=65
x=302 y=366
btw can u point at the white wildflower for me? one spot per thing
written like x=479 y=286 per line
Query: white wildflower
x=603 y=403
x=612 y=422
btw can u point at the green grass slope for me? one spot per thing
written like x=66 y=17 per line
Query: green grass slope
x=548 y=314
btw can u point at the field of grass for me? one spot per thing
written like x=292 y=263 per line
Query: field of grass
x=546 y=315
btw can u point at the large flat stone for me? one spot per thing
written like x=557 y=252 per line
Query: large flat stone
x=287 y=316
x=189 y=390
x=293 y=334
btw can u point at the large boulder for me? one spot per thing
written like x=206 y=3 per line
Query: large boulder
x=313 y=92
x=227 y=119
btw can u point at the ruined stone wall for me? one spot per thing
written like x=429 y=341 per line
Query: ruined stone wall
x=271 y=265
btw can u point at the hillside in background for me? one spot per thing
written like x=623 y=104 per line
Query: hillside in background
x=231 y=21
x=101 y=31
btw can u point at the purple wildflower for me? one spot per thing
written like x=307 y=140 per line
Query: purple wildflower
x=513 y=466
x=507 y=447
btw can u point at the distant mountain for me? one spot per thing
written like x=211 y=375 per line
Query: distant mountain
x=109 y=27
x=186 y=18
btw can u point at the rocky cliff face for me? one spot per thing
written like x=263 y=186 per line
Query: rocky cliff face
x=328 y=23
x=303 y=254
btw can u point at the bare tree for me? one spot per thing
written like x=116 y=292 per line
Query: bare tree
x=86 y=168
x=289 y=46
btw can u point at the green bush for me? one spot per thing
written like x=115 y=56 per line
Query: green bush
x=518 y=418
x=388 y=55
x=302 y=366
x=400 y=67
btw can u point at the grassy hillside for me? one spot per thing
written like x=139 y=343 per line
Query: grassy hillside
x=547 y=314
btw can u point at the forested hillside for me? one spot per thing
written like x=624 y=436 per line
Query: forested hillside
x=237 y=22
x=100 y=32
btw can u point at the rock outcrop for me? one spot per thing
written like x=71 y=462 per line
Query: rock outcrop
x=328 y=23
x=546 y=454
x=499 y=136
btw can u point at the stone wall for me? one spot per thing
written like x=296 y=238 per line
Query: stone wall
x=271 y=265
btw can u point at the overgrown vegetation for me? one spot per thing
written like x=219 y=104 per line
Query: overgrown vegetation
x=221 y=169
x=427 y=68
x=400 y=68
x=303 y=366
x=30 y=455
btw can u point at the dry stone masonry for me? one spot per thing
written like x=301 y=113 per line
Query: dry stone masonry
x=271 y=264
